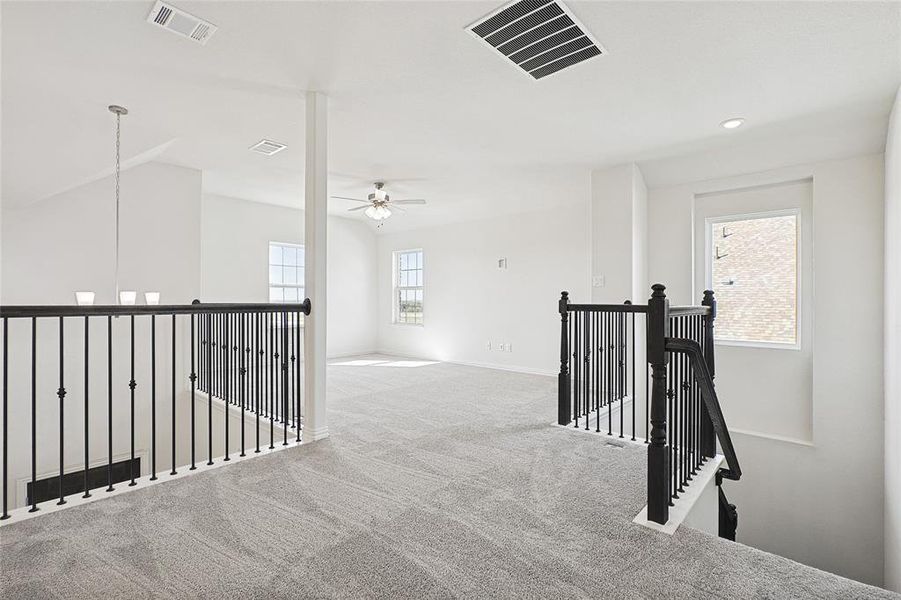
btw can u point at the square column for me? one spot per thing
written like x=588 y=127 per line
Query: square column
x=315 y=228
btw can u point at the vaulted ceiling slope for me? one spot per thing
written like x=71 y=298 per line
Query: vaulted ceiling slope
x=417 y=100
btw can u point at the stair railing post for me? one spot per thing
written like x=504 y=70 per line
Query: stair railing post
x=658 y=449
x=708 y=435
x=564 y=416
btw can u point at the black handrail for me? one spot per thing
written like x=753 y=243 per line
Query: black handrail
x=617 y=308
x=65 y=310
x=708 y=393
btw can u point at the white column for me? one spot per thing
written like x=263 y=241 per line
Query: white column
x=618 y=224
x=315 y=226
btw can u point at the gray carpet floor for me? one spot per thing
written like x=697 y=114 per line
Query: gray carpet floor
x=439 y=481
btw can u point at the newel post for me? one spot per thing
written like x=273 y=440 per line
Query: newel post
x=708 y=435
x=564 y=415
x=658 y=450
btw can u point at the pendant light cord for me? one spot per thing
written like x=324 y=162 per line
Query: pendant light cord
x=118 y=124
x=118 y=111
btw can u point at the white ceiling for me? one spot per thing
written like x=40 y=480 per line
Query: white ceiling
x=418 y=102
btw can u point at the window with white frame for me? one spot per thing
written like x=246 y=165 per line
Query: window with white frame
x=286 y=272
x=408 y=270
x=753 y=267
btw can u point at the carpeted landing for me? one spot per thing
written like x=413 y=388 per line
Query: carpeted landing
x=438 y=481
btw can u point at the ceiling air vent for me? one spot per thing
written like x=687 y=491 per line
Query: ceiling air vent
x=267 y=147
x=181 y=23
x=539 y=37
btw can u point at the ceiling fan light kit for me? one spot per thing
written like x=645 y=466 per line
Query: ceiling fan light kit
x=378 y=202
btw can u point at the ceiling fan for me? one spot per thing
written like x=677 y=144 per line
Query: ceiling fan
x=379 y=204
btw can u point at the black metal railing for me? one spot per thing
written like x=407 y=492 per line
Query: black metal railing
x=254 y=363
x=680 y=415
x=177 y=347
x=598 y=391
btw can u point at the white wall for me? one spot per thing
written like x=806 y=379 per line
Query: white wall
x=468 y=301
x=819 y=503
x=235 y=251
x=893 y=351
x=66 y=243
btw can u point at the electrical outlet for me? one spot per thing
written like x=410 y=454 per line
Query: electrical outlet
x=509 y=347
x=488 y=345
x=598 y=281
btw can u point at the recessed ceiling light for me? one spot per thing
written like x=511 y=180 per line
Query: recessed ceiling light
x=732 y=123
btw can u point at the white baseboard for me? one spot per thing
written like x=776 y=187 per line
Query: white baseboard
x=314 y=435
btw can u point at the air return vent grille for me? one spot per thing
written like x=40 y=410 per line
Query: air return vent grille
x=539 y=37
x=181 y=23
x=267 y=147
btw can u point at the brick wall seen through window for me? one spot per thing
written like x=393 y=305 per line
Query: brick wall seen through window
x=754 y=272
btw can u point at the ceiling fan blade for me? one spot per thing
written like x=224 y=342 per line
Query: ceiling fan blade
x=398 y=208
x=352 y=199
x=410 y=201
x=357 y=208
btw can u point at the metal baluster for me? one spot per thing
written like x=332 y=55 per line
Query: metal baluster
x=670 y=375
x=678 y=433
x=193 y=378
x=611 y=357
x=61 y=392
x=293 y=385
x=634 y=399
x=258 y=354
x=621 y=337
x=699 y=456
x=227 y=388
x=131 y=386
x=586 y=353
x=87 y=488
x=599 y=370
x=272 y=379
x=5 y=514
x=576 y=363
x=285 y=377
x=173 y=471
x=34 y=412
x=680 y=406
x=299 y=385
x=210 y=356
x=109 y=412
x=241 y=373
x=153 y=397
x=693 y=399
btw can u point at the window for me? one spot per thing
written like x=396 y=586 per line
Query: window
x=286 y=265
x=753 y=268
x=408 y=287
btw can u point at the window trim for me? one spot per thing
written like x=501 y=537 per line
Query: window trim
x=708 y=273
x=395 y=288
x=301 y=286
